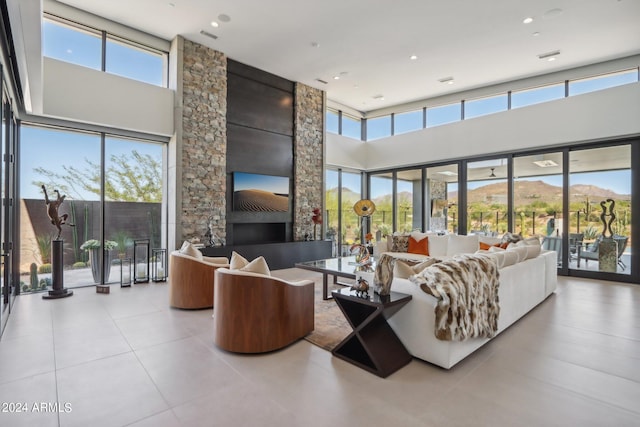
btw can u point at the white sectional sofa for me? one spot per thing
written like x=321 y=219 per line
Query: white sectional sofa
x=523 y=285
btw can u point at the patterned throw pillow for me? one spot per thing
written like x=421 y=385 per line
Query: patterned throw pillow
x=400 y=243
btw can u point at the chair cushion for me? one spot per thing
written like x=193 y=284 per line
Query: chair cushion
x=237 y=261
x=258 y=265
x=189 y=249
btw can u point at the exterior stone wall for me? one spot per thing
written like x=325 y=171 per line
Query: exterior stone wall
x=308 y=155
x=204 y=141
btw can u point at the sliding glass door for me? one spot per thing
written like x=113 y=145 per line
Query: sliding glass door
x=601 y=209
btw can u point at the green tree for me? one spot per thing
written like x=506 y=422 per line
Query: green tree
x=131 y=177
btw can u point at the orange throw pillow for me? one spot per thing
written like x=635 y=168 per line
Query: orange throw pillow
x=418 y=246
x=486 y=246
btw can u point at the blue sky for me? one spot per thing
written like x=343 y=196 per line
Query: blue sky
x=71 y=148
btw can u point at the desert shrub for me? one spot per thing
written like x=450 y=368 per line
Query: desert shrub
x=44 y=268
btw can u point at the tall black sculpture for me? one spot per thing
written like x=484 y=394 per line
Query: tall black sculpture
x=57 y=247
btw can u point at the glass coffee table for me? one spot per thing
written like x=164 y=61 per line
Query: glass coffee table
x=337 y=267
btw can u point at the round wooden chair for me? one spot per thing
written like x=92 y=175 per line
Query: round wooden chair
x=255 y=313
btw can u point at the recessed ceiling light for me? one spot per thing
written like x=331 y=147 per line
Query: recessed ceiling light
x=553 y=58
x=172 y=5
x=536 y=34
x=315 y=44
x=527 y=20
x=214 y=24
x=413 y=57
x=448 y=80
x=378 y=97
x=224 y=18
x=336 y=77
x=552 y=13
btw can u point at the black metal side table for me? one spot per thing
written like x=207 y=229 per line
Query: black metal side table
x=372 y=345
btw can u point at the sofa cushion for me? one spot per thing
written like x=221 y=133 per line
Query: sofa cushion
x=438 y=246
x=237 y=261
x=258 y=265
x=458 y=244
x=510 y=258
x=189 y=249
x=521 y=251
x=418 y=246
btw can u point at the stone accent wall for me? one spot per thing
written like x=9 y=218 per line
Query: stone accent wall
x=308 y=155
x=204 y=141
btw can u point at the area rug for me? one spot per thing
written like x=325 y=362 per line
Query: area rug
x=330 y=325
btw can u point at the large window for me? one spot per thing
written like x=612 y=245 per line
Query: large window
x=444 y=114
x=333 y=121
x=487 y=197
x=69 y=161
x=82 y=45
x=351 y=127
x=482 y=106
x=135 y=62
x=596 y=176
x=379 y=127
x=592 y=84
x=523 y=98
x=407 y=122
x=442 y=198
x=409 y=196
x=381 y=193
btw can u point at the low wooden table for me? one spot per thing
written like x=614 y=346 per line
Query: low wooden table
x=372 y=345
x=336 y=267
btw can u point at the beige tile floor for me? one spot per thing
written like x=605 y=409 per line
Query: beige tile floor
x=127 y=359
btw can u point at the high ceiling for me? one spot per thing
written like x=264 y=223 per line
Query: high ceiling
x=368 y=43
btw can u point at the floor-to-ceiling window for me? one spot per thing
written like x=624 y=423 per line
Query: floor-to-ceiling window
x=342 y=225
x=113 y=195
x=409 y=206
x=538 y=199
x=381 y=193
x=487 y=197
x=441 y=195
x=598 y=176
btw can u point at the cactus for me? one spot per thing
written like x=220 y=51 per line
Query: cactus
x=33 y=273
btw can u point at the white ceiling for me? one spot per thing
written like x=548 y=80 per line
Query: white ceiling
x=478 y=43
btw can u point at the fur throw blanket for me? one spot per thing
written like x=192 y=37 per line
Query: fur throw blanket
x=466 y=288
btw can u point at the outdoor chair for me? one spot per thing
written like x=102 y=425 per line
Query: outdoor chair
x=592 y=252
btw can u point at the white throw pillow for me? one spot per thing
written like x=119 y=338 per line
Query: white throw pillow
x=190 y=250
x=258 y=265
x=458 y=244
x=237 y=261
x=438 y=246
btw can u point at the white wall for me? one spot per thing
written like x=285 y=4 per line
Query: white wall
x=345 y=152
x=76 y=93
x=606 y=114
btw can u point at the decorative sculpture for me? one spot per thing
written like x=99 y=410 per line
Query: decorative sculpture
x=52 y=211
x=361 y=288
x=607 y=212
x=362 y=254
